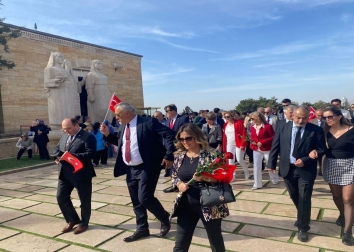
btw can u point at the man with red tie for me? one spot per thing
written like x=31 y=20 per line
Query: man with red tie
x=174 y=122
x=141 y=156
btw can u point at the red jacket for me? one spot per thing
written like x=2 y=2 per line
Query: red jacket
x=265 y=137
x=240 y=135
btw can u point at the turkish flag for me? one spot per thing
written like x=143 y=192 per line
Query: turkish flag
x=113 y=102
x=224 y=174
x=72 y=160
x=312 y=113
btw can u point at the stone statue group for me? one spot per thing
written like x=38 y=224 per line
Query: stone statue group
x=63 y=91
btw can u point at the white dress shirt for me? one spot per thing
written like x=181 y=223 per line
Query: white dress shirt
x=257 y=132
x=346 y=114
x=293 y=136
x=134 y=147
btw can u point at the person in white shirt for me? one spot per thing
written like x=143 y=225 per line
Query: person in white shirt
x=24 y=143
x=270 y=118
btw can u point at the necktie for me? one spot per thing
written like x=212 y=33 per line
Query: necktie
x=128 y=157
x=297 y=142
x=268 y=120
x=69 y=142
x=171 y=124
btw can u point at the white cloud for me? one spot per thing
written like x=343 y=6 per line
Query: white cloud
x=186 y=47
x=160 y=78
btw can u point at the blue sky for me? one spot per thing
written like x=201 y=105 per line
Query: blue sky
x=214 y=53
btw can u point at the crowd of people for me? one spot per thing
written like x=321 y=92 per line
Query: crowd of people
x=179 y=143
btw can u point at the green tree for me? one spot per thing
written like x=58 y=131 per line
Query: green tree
x=5 y=35
x=308 y=104
x=320 y=104
x=252 y=104
x=187 y=110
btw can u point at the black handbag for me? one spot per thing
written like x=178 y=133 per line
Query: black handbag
x=216 y=194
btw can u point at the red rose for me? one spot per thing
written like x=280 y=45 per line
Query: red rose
x=229 y=155
x=218 y=160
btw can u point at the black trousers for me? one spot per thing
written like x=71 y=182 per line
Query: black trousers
x=103 y=155
x=300 y=191
x=21 y=151
x=84 y=189
x=189 y=212
x=43 y=151
x=141 y=186
x=249 y=153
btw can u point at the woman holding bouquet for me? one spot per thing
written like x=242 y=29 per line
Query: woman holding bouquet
x=262 y=135
x=192 y=151
x=234 y=141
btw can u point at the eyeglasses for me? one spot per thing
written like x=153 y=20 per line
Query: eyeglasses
x=328 y=117
x=265 y=112
x=187 y=139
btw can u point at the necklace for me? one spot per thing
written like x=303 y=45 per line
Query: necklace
x=191 y=159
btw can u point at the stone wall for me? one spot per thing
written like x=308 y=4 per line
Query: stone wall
x=7 y=147
x=22 y=88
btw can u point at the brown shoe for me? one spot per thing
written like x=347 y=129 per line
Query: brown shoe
x=69 y=227
x=80 y=229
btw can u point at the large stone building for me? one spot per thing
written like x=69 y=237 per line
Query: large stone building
x=22 y=94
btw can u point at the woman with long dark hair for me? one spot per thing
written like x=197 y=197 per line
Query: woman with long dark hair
x=338 y=167
x=101 y=149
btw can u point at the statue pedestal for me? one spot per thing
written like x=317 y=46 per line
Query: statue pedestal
x=54 y=137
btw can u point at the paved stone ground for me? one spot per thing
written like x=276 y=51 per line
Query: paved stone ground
x=261 y=220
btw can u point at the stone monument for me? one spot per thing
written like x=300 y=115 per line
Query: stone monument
x=62 y=91
x=98 y=93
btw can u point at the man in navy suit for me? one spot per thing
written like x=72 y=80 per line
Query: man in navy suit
x=174 y=122
x=82 y=145
x=141 y=156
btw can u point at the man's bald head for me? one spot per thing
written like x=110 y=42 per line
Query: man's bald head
x=70 y=126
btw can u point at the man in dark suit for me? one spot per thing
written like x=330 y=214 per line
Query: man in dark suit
x=219 y=119
x=287 y=117
x=174 y=122
x=82 y=145
x=294 y=142
x=284 y=103
x=141 y=156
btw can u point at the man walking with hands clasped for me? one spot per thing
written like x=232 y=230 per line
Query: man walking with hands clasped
x=141 y=157
x=294 y=142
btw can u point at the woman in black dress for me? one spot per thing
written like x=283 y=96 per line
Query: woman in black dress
x=338 y=167
x=41 y=132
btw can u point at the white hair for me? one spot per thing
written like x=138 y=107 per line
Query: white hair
x=124 y=106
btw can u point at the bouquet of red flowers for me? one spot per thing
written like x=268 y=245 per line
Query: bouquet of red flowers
x=218 y=169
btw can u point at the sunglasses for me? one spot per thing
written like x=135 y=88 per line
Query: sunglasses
x=227 y=117
x=265 y=112
x=285 y=105
x=327 y=117
x=187 y=139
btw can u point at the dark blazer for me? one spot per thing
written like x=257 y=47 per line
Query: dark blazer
x=215 y=133
x=180 y=120
x=84 y=148
x=265 y=137
x=312 y=139
x=152 y=151
x=281 y=123
x=42 y=138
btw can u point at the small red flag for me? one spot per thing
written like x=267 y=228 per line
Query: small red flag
x=113 y=102
x=312 y=113
x=225 y=173
x=72 y=160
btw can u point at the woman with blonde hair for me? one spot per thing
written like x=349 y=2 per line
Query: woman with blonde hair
x=192 y=151
x=262 y=135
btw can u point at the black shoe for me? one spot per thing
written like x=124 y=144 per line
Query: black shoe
x=137 y=235
x=167 y=173
x=340 y=221
x=165 y=228
x=296 y=224
x=347 y=239
x=319 y=173
x=302 y=236
x=168 y=190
